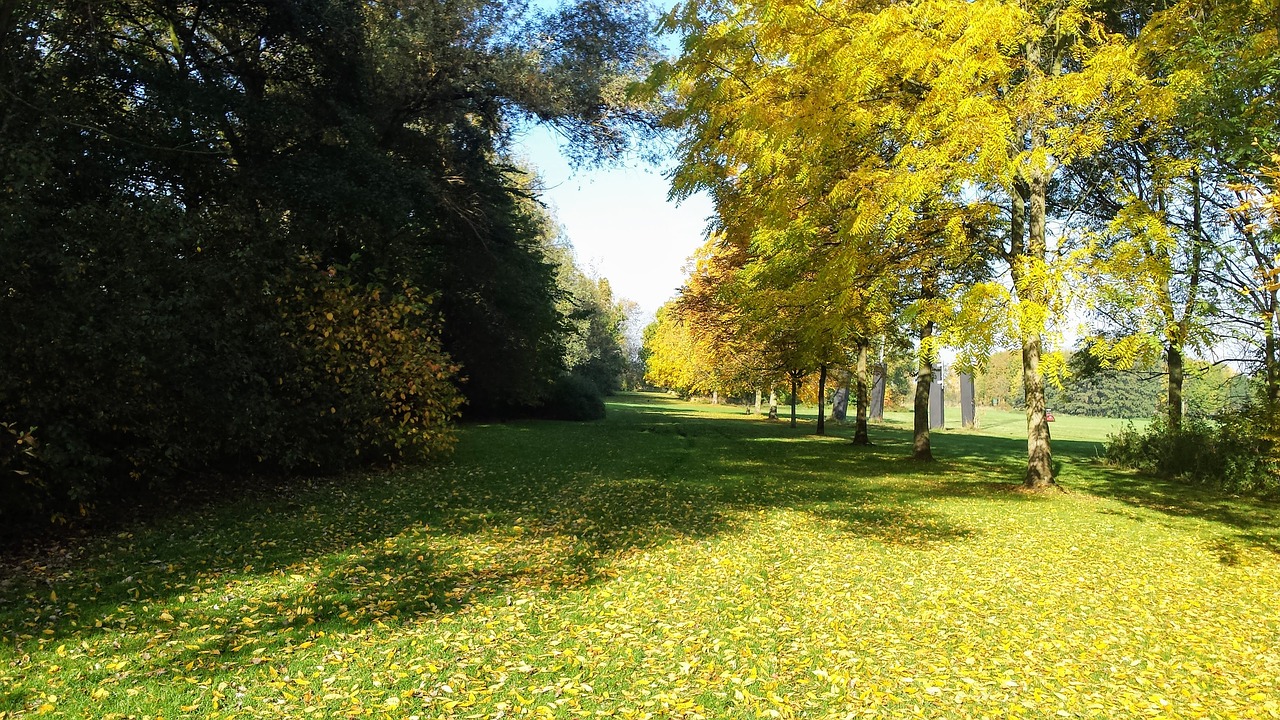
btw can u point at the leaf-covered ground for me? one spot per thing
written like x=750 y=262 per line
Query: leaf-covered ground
x=673 y=561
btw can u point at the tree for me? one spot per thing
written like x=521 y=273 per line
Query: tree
x=187 y=182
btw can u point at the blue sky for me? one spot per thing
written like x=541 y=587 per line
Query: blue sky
x=619 y=220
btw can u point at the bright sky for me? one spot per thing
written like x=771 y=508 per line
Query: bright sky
x=620 y=222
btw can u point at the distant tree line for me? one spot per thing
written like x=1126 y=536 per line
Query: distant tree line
x=286 y=236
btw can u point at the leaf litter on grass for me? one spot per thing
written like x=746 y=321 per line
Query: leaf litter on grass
x=557 y=570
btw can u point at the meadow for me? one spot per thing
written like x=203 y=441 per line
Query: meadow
x=672 y=561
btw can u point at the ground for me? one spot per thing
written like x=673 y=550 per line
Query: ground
x=675 y=560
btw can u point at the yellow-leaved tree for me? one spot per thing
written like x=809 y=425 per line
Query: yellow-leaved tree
x=854 y=123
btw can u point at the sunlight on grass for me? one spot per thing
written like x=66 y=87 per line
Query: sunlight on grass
x=673 y=561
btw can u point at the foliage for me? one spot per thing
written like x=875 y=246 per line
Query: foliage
x=19 y=473
x=595 y=346
x=166 y=164
x=674 y=560
x=670 y=360
x=573 y=397
x=381 y=367
x=861 y=153
x=1235 y=452
x=1091 y=389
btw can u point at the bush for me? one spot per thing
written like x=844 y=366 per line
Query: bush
x=304 y=371
x=374 y=385
x=573 y=397
x=1234 y=452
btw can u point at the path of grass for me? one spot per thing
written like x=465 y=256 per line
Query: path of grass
x=673 y=561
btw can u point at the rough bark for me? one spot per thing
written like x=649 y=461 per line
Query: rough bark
x=1177 y=340
x=924 y=381
x=795 y=382
x=822 y=400
x=1272 y=367
x=1039 y=454
x=1173 y=361
x=860 y=435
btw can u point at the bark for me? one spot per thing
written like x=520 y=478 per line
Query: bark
x=924 y=381
x=795 y=381
x=1270 y=361
x=822 y=400
x=715 y=398
x=1039 y=454
x=1177 y=342
x=1174 y=363
x=860 y=435
x=757 y=401
x=773 y=404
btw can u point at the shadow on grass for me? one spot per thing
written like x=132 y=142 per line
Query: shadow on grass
x=1255 y=522
x=534 y=506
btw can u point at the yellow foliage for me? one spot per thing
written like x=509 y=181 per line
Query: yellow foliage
x=380 y=351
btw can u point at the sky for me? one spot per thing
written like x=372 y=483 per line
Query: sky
x=619 y=221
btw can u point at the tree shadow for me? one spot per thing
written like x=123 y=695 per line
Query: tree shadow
x=530 y=507
x=1255 y=521
x=911 y=528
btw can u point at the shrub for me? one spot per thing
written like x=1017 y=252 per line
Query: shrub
x=1234 y=452
x=304 y=371
x=573 y=397
x=374 y=385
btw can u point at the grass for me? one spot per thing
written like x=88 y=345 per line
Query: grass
x=672 y=561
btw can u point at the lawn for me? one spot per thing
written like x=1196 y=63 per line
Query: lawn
x=675 y=560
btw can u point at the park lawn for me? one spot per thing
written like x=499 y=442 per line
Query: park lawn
x=675 y=560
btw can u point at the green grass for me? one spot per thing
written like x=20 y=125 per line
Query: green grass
x=672 y=561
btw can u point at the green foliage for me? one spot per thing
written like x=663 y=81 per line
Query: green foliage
x=20 y=480
x=1235 y=452
x=573 y=397
x=165 y=165
x=1133 y=393
x=595 y=345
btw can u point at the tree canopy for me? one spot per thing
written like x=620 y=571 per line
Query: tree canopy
x=286 y=234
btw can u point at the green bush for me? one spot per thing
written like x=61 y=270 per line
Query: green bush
x=1235 y=452
x=309 y=373
x=573 y=397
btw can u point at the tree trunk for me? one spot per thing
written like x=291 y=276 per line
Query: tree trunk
x=715 y=398
x=794 y=384
x=1039 y=454
x=860 y=435
x=1270 y=362
x=1176 y=374
x=924 y=382
x=822 y=399
x=757 y=401
x=773 y=404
